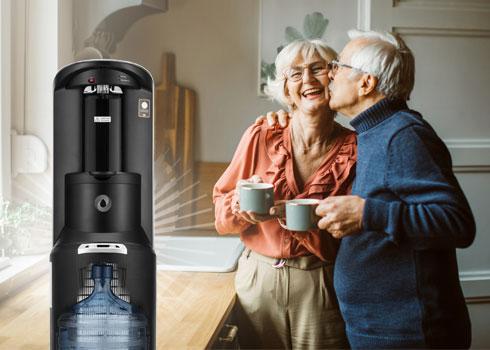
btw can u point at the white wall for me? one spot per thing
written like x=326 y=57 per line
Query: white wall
x=5 y=22
x=216 y=44
x=65 y=32
x=34 y=65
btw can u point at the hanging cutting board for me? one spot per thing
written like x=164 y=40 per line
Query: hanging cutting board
x=174 y=151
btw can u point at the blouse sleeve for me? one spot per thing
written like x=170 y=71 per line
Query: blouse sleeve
x=242 y=166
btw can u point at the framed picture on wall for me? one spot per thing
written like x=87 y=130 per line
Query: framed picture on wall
x=283 y=21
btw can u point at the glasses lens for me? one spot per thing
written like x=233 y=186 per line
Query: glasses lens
x=294 y=74
x=318 y=69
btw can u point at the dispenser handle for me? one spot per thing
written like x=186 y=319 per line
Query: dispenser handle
x=87 y=248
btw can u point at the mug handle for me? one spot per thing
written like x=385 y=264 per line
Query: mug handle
x=282 y=223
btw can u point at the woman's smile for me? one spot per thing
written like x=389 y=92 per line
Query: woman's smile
x=313 y=93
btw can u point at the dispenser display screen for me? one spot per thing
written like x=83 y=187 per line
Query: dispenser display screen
x=102 y=119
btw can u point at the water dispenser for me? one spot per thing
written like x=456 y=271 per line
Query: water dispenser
x=103 y=263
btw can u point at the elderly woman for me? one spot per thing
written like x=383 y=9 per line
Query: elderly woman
x=284 y=279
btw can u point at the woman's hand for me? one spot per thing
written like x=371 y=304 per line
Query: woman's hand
x=249 y=216
x=280 y=117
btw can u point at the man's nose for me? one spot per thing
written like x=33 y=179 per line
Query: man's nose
x=330 y=75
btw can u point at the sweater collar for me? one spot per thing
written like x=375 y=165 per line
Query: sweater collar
x=376 y=114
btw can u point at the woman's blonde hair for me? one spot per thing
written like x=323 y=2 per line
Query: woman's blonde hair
x=275 y=88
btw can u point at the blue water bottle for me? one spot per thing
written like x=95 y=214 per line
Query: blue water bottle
x=102 y=320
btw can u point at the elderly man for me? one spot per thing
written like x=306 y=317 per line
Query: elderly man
x=396 y=274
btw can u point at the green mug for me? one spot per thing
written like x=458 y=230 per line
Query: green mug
x=256 y=197
x=300 y=214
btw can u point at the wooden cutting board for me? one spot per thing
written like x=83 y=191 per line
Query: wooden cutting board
x=175 y=108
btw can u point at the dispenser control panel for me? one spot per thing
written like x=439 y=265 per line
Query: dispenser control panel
x=144 y=108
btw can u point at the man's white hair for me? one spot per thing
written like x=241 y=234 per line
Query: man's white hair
x=386 y=56
x=275 y=88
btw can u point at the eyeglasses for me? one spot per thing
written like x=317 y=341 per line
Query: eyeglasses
x=334 y=67
x=296 y=73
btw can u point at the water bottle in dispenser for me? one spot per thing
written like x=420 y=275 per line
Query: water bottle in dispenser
x=102 y=320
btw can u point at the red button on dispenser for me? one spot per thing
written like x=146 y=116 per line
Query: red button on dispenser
x=91 y=80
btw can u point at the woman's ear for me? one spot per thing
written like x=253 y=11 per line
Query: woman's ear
x=289 y=100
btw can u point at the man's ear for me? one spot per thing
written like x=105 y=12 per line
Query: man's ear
x=367 y=84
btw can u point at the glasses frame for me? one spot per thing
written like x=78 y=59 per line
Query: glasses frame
x=309 y=67
x=334 y=65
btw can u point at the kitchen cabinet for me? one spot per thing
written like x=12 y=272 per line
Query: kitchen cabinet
x=227 y=335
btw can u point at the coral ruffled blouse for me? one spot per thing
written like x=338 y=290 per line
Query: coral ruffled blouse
x=267 y=152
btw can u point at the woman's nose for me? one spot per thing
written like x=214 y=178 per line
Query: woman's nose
x=307 y=75
x=330 y=75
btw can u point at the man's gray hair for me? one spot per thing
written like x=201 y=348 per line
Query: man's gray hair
x=275 y=88
x=386 y=56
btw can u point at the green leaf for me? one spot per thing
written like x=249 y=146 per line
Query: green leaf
x=292 y=34
x=314 y=25
x=267 y=70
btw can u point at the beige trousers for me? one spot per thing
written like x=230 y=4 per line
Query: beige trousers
x=288 y=307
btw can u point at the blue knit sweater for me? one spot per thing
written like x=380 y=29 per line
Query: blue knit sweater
x=397 y=281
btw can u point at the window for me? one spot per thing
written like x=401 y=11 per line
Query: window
x=28 y=52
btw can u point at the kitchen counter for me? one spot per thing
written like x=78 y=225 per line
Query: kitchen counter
x=191 y=310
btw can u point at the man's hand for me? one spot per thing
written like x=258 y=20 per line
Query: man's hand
x=341 y=215
x=281 y=117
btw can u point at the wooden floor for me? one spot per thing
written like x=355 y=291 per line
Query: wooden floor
x=191 y=308
x=24 y=317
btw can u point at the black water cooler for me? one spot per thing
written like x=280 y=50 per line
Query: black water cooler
x=103 y=263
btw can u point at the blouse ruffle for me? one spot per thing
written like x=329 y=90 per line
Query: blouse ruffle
x=331 y=178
